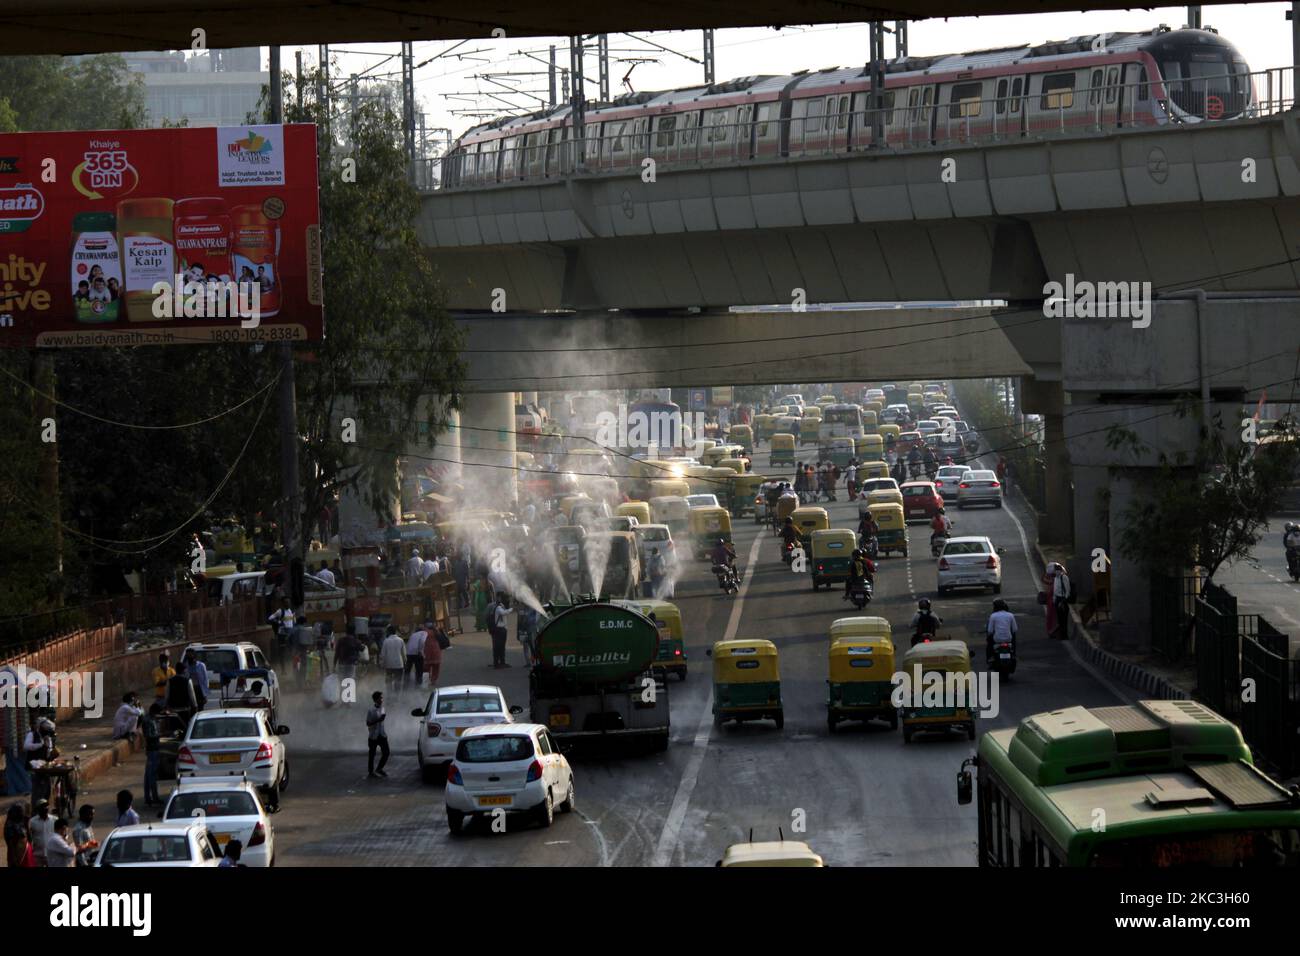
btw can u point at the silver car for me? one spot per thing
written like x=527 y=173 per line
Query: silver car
x=979 y=488
x=947 y=478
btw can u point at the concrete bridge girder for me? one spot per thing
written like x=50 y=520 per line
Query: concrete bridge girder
x=1166 y=206
x=615 y=350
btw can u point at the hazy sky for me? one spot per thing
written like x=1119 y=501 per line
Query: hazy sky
x=1260 y=31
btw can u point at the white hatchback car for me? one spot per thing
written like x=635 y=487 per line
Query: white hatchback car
x=517 y=768
x=171 y=845
x=947 y=478
x=701 y=501
x=236 y=743
x=449 y=712
x=970 y=562
x=231 y=809
x=979 y=488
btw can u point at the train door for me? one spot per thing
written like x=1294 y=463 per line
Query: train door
x=1114 y=96
x=1135 y=103
x=837 y=122
x=744 y=144
x=766 y=133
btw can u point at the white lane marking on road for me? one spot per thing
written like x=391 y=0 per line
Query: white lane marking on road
x=1096 y=675
x=672 y=830
x=601 y=844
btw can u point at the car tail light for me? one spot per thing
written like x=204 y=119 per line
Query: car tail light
x=263 y=752
x=820 y=568
x=943 y=564
x=453 y=775
x=185 y=755
x=963 y=485
x=992 y=562
x=259 y=835
x=677 y=652
x=995 y=484
x=434 y=729
x=534 y=771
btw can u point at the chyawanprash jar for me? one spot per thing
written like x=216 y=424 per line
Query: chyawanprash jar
x=202 y=231
x=96 y=267
x=254 y=248
x=146 y=239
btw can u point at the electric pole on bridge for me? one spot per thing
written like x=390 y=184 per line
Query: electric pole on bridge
x=876 y=67
x=602 y=60
x=577 y=101
x=710 y=62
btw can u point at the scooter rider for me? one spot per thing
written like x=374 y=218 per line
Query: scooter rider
x=941 y=526
x=1291 y=542
x=913 y=462
x=925 y=623
x=1002 y=628
x=861 y=571
x=723 y=553
x=867 y=530
x=790 y=534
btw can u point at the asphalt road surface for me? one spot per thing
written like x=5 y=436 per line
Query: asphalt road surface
x=860 y=797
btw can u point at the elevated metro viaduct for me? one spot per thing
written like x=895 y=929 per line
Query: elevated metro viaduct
x=1169 y=207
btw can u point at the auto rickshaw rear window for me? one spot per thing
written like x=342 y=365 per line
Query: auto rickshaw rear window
x=746 y=664
x=861 y=662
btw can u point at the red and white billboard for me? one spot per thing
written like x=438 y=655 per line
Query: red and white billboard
x=159 y=236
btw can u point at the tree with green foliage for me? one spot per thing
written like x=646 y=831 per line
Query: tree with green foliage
x=1210 y=506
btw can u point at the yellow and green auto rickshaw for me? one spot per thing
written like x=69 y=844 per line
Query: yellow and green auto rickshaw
x=786 y=506
x=672 y=641
x=707 y=525
x=712 y=456
x=916 y=402
x=873 y=406
x=699 y=478
x=640 y=510
x=860 y=681
x=771 y=853
x=742 y=492
x=870 y=420
x=669 y=487
x=884 y=496
x=782 y=452
x=810 y=430
x=826 y=400
x=807 y=519
x=722 y=474
x=733 y=464
x=869 y=448
x=890 y=435
x=941 y=703
x=891 y=535
x=871 y=470
x=742 y=435
x=830 y=556
x=812 y=412
x=865 y=627
x=746 y=682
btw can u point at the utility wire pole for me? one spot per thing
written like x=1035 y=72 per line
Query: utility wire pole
x=710 y=64
x=290 y=487
x=577 y=101
x=551 y=75
x=876 y=67
x=900 y=39
x=408 y=106
x=602 y=59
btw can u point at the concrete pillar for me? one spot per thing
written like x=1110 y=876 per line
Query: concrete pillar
x=1130 y=629
x=1091 y=520
x=487 y=450
x=1048 y=399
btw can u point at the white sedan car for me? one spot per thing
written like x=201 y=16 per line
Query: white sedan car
x=449 y=712
x=979 y=488
x=702 y=501
x=236 y=743
x=947 y=478
x=517 y=768
x=173 y=845
x=970 y=562
x=231 y=809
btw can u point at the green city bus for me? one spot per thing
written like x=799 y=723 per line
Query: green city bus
x=1160 y=783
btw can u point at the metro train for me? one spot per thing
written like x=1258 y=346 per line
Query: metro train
x=1108 y=80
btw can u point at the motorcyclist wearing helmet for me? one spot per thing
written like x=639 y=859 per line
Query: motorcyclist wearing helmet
x=723 y=553
x=925 y=623
x=790 y=534
x=940 y=525
x=1001 y=628
x=861 y=570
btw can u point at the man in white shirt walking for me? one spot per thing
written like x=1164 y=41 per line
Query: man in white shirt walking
x=392 y=657
x=415 y=566
x=415 y=656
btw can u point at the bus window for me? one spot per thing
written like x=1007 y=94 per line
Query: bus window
x=1256 y=848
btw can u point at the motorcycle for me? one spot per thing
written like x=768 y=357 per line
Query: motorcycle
x=1002 y=658
x=937 y=542
x=860 y=594
x=728 y=578
x=787 y=552
x=870 y=545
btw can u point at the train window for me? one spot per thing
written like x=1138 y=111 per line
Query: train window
x=690 y=134
x=912 y=96
x=813 y=123
x=1144 y=90
x=764 y=115
x=665 y=132
x=552 y=148
x=1015 y=95
x=964 y=100
x=1058 y=91
x=1112 y=77
x=509 y=156
x=719 y=125
x=1094 y=88
x=927 y=97
x=843 y=120
x=1001 y=106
